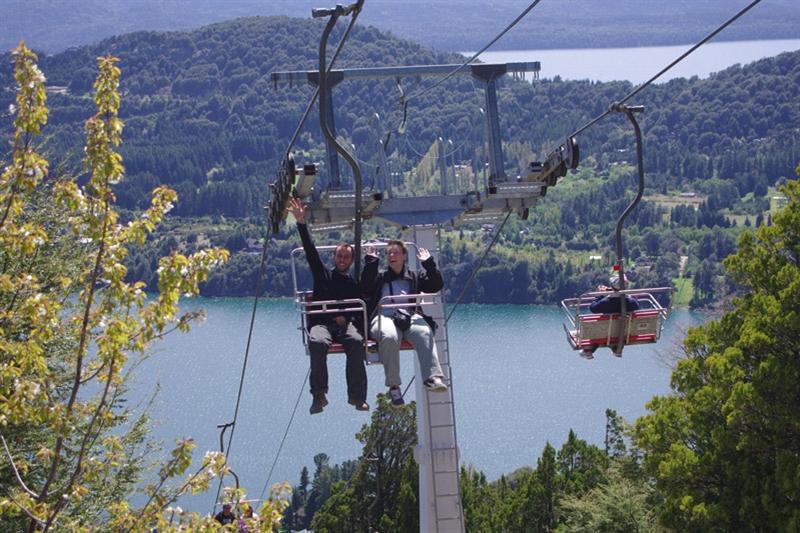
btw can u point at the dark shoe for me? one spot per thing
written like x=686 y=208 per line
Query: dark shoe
x=435 y=384
x=360 y=405
x=319 y=402
x=396 y=396
x=587 y=353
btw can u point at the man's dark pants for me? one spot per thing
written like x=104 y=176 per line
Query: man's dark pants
x=320 y=339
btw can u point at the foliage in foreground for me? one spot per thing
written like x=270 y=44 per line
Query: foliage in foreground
x=72 y=328
x=725 y=448
x=579 y=487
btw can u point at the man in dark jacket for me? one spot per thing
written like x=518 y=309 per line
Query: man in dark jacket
x=325 y=329
x=394 y=325
x=225 y=516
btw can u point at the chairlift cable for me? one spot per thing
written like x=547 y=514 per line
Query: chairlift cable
x=285 y=433
x=425 y=156
x=475 y=56
x=405 y=100
x=259 y=281
x=668 y=67
x=477 y=267
x=264 y=252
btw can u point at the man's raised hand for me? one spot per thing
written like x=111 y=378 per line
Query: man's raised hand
x=297 y=209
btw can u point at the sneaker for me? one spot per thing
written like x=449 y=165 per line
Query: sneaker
x=318 y=403
x=435 y=384
x=396 y=396
x=360 y=405
x=587 y=354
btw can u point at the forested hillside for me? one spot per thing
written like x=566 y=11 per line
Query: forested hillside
x=202 y=116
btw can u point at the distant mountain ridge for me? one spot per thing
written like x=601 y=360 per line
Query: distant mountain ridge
x=456 y=25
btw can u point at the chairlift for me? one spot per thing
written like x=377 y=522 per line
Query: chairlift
x=306 y=307
x=588 y=330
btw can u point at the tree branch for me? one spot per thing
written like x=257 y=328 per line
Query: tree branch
x=79 y=362
x=23 y=508
x=85 y=445
x=14 y=468
x=169 y=500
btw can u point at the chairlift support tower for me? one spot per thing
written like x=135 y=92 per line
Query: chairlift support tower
x=437 y=450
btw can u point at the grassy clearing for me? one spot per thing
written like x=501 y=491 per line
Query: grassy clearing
x=683 y=292
x=673 y=200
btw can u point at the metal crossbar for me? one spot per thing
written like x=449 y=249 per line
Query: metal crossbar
x=311 y=76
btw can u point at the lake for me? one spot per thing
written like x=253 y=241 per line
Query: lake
x=517 y=385
x=637 y=65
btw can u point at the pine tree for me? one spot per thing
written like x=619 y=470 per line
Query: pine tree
x=723 y=448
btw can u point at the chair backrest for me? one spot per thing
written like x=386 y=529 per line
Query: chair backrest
x=642 y=326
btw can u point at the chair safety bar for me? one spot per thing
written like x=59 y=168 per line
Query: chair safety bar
x=409 y=300
x=640 y=327
x=416 y=300
x=324 y=307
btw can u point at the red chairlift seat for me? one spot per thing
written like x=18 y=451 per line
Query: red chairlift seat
x=585 y=329
x=310 y=307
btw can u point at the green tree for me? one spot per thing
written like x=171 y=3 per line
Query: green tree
x=617 y=505
x=580 y=465
x=69 y=324
x=533 y=507
x=406 y=516
x=479 y=501
x=381 y=484
x=724 y=449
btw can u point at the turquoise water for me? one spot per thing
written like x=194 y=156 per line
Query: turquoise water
x=517 y=385
x=639 y=64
